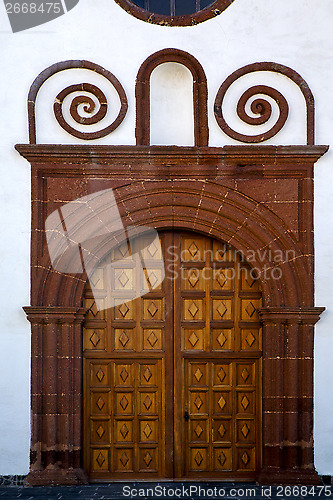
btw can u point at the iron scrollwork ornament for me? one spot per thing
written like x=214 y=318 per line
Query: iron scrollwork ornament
x=89 y=107
x=261 y=105
x=97 y=108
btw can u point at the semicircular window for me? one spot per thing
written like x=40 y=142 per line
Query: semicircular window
x=173 y=7
x=174 y=12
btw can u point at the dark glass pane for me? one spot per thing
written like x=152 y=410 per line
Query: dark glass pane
x=140 y=3
x=160 y=7
x=184 y=7
x=205 y=3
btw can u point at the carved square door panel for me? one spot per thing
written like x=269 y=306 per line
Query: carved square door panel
x=172 y=380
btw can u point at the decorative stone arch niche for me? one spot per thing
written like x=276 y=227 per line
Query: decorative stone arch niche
x=257 y=198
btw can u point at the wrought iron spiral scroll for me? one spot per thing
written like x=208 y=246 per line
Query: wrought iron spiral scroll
x=261 y=106
x=96 y=112
x=89 y=106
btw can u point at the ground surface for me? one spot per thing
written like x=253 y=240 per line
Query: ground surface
x=167 y=490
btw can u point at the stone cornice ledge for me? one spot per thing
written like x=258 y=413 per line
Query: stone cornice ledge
x=101 y=154
x=308 y=315
x=52 y=314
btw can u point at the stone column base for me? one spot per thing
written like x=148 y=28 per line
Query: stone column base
x=271 y=475
x=52 y=477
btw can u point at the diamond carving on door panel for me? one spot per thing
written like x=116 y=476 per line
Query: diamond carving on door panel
x=198 y=402
x=193 y=339
x=245 y=402
x=123 y=309
x=124 y=374
x=147 y=431
x=221 y=339
x=250 y=339
x=124 y=402
x=152 y=309
x=198 y=374
x=222 y=458
x=193 y=309
x=147 y=459
x=93 y=309
x=152 y=339
x=100 y=431
x=100 y=403
x=221 y=252
x=250 y=309
x=198 y=459
x=245 y=374
x=222 y=430
x=147 y=402
x=221 y=402
x=245 y=458
x=123 y=279
x=193 y=279
x=96 y=280
x=147 y=374
x=221 y=279
x=100 y=459
x=124 y=431
x=249 y=280
x=221 y=374
x=124 y=339
x=124 y=459
x=153 y=279
x=245 y=430
x=193 y=249
x=95 y=339
x=198 y=430
x=123 y=249
x=221 y=309
x=100 y=374
x=152 y=249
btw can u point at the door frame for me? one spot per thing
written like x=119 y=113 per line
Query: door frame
x=210 y=205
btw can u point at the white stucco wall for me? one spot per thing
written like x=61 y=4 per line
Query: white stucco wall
x=296 y=33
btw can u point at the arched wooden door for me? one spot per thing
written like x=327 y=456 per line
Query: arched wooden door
x=172 y=380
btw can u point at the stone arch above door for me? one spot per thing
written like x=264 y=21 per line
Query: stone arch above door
x=212 y=209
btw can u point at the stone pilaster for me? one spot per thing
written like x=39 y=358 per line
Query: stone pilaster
x=288 y=341
x=56 y=397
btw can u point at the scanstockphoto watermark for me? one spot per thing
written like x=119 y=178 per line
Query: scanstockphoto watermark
x=195 y=491
x=88 y=234
x=187 y=491
x=223 y=275
x=266 y=264
x=25 y=14
x=228 y=253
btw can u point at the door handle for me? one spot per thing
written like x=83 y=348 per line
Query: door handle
x=186 y=414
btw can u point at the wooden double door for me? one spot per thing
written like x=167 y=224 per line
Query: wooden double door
x=172 y=380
